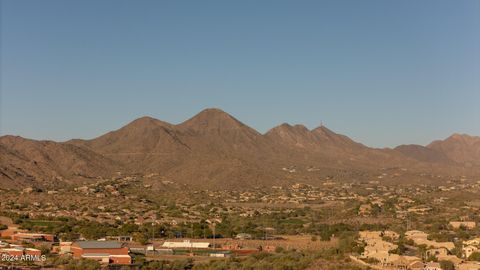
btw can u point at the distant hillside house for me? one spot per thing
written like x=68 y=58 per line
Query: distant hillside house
x=433 y=266
x=416 y=265
x=474 y=242
x=106 y=252
x=466 y=224
x=469 y=250
x=435 y=252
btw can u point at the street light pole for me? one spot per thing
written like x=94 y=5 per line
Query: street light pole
x=214 y=225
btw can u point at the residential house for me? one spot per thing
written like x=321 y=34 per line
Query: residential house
x=402 y=262
x=469 y=266
x=421 y=238
x=473 y=242
x=416 y=265
x=469 y=250
x=466 y=224
x=433 y=266
x=452 y=258
x=435 y=252
x=365 y=210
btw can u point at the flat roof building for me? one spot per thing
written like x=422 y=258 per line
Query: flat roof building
x=106 y=252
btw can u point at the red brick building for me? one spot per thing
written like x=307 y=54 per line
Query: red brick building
x=19 y=251
x=12 y=251
x=33 y=237
x=106 y=252
x=33 y=252
x=10 y=231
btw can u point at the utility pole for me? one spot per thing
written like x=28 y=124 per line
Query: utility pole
x=214 y=225
x=191 y=243
x=153 y=231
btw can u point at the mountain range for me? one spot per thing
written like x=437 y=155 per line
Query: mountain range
x=215 y=150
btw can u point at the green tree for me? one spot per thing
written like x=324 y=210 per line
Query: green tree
x=140 y=237
x=154 y=265
x=45 y=249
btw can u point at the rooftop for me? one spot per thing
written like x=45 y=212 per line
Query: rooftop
x=96 y=255
x=99 y=244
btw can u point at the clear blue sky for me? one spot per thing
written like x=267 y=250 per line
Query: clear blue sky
x=381 y=72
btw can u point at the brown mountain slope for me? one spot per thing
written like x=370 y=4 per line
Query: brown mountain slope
x=215 y=131
x=25 y=161
x=143 y=143
x=215 y=150
x=459 y=148
x=318 y=139
x=422 y=153
x=211 y=130
x=326 y=135
x=293 y=136
x=215 y=121
x=210 y=148
x=142 y=135
x=324 y=146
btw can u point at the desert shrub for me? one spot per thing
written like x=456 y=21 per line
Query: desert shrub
x=83 y=265
x=447 y=265
x=475 y=257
